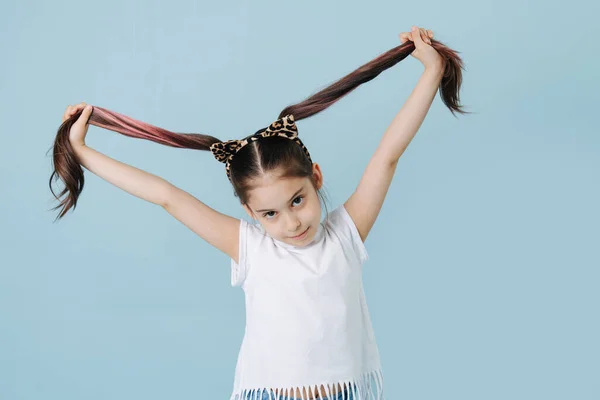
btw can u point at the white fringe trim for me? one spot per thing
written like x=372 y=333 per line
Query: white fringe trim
x=369 y=386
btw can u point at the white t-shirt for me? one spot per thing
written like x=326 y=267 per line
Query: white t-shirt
x=307 y=321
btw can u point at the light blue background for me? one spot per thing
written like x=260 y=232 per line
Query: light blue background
x=483 y=273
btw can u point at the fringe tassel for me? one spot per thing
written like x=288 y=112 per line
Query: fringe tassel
x=369 y=386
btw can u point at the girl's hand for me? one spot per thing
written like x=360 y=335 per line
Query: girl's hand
x=80 y=127
x=423 y=50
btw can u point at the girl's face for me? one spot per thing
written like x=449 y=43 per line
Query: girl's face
x=287 y=207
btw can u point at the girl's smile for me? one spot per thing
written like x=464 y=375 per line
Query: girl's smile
x=302 y=235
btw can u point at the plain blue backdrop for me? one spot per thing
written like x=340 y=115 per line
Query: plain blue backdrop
x=484 y=264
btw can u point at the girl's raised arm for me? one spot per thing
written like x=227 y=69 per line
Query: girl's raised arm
x=217 y=229
x=220 y=230
x=365 y=203
x=134 y=181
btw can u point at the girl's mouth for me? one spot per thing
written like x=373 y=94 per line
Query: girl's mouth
x=302 y=235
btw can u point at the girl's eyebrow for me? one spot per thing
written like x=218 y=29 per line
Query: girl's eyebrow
x=293 y=197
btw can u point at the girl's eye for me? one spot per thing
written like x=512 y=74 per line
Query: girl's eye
x=299 y=197
x=269 y=213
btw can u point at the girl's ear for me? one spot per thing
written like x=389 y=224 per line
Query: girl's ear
x=317 y=175
x=249 y=211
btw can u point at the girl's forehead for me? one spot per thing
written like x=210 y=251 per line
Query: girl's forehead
x=265 y=192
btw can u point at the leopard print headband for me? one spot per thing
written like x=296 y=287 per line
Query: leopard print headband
x=284 y=127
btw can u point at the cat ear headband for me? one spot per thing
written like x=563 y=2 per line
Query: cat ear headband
x=283 y=127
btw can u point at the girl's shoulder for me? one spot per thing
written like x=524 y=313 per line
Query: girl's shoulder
x=340 y=223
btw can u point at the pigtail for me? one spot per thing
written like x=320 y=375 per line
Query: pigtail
x=66 y=165
x=449 y=85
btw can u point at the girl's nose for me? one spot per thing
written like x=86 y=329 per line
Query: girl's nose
x=293 y=224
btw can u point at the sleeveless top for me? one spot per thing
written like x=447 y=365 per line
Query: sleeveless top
x=307 y=321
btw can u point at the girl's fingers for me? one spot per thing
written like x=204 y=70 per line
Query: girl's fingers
x=67 y=113
x=78 y=107
x=404 y=36
x=424 y=35
x=71 y=110
x=419 y=31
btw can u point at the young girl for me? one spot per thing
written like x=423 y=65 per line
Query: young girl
x=308 y=331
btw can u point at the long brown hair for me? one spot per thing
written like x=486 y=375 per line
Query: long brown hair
x=259 y=156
